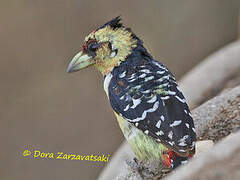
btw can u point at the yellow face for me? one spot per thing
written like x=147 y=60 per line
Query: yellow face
x=104 y=49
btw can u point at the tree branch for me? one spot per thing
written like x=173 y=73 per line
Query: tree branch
x=209 y=77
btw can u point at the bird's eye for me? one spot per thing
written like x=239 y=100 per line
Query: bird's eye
x=92 y=46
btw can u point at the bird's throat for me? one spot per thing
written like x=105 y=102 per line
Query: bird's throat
x=106 y=66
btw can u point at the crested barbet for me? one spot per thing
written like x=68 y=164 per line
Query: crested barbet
x=149 y=106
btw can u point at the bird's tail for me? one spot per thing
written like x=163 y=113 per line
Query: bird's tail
x=178 y=160
x=173 y=160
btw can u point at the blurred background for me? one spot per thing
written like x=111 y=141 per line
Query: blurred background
x=42 y=107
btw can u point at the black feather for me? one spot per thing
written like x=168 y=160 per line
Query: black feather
x=114 y=23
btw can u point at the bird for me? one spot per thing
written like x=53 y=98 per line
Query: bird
x=149 y=106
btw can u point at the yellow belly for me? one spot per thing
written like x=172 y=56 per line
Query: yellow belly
x=144 y=147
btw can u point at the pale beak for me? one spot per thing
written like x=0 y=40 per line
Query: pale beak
x=80 y=61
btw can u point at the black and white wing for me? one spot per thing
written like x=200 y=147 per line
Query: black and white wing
x=148 y=97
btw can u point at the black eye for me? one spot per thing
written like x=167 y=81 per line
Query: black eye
x=93 y=46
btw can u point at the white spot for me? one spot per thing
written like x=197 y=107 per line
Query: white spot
x=184 y=162
x=187 y=125
x=152 y=100
x=171 y=143
x=106 y=82
x=178 y=88
x=138 y=86
x=126 y=108
x=182 y=144
x=113 y=54
x=163 y=103
x=159 y=65
x=122 y=75
x=171 y=92
x=162 y=118
x=159 y=133
x=145 y=70
x=190 y=114
x=182 y=150
x=182 y=141
x=193 y=129
x=128 y=98
x=121 y=98
x=181 y=100
x=163 y=78
x=135 y=103
x=193 y=143
x=132 y=76
x=158 y=124
x=144 y=114
x=132 y=80
x=148 y=78
x=160 y=72
x=165 y=98
x=185 y=111
x=163 y=85
x=113 y=47
x=170 y=134
x=146 y=132
x=136 y=124
x=143 y=75
x=158 y=140
x=176 y=123
x=146 y=91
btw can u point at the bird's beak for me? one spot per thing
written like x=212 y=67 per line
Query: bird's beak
x=79 y=61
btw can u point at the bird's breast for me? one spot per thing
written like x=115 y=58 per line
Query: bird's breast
x=143 y=146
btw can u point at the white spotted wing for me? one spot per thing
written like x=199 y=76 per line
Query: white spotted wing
x=148 y=97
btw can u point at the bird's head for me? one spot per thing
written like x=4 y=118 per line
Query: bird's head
x=105 y=48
